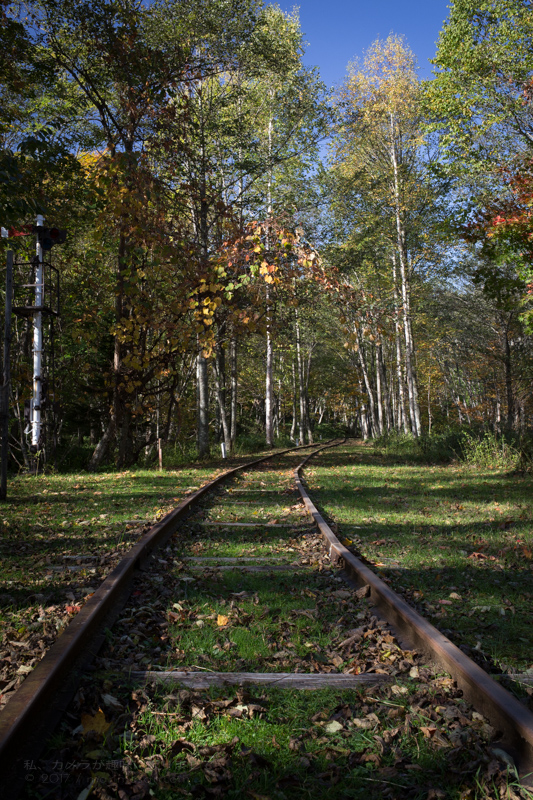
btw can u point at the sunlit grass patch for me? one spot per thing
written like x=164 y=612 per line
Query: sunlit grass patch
x=61 y=535
x=258 y=622
x=457 y=543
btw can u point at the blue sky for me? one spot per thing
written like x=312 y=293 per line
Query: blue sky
x=339 y=30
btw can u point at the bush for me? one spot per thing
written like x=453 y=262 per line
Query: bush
x=441 y=447
x=472 y=446
x=249 y=443
x=490 y=451
x=328 y=430
x=72 y=456
x=397 y=445
x=434 y=448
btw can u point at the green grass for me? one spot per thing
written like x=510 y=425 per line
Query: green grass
x=457 y=541
x=406 y=739
x=266 y=629
x=328 y=744
x=61 y=534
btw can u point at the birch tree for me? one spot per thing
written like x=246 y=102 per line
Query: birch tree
x=381 y=160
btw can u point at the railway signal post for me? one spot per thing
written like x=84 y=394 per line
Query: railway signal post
x=6 y=373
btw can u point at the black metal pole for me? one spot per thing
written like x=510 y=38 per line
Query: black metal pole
x=7 y=377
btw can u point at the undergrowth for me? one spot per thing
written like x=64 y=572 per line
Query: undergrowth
x=474 y=447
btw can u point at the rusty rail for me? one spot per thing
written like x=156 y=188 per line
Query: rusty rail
x=503 y=710
x=36 y=707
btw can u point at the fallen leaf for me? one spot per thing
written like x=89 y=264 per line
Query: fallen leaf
x=222 y=620
x=98 y=723
x=333 y=727
x=111 y=701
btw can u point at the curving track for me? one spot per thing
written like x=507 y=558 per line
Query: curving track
x=201 y=612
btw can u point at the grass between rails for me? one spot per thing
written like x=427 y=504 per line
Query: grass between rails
x=411 y=739
x=285 y=744
x=235 y=620
x=402 y=741
x=60 y=536
x=456 y=541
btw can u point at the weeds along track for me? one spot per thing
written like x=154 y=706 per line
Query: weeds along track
x=195 y=688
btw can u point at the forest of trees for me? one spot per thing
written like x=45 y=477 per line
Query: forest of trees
x=225 y=281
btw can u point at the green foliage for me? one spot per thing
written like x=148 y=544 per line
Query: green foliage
x=250 y=443
x=73 y=455
x=434 y=448
x=475 y=447
x=489 y=451
x=485 y=63
x=328 y=430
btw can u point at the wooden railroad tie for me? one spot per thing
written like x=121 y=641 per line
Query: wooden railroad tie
x=283 y=680
x=258 y=524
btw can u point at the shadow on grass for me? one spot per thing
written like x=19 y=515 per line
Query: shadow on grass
x=436 y=552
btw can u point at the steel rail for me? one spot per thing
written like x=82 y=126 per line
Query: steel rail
x=38 y=704
x=489 y=698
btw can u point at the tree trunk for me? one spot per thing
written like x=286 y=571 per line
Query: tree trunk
x=384 y=387
x=294 y=402
x=406 y=299
x=117 y=417
x=233 y=373
x=219 y=370
x=269 y=388
x=306 y=396
x=368 y=386
x=22 y=438
x=402 y=415
x=429 y=403
x=508 y=379
x=101 y=448
x=125 y=455
x=379 y=397
x=202 y=406
x=301 y=387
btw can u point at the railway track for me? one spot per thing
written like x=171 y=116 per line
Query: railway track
x=253 y=595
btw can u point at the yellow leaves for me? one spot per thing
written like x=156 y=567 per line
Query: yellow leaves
x=222 y=620
x=97 y=723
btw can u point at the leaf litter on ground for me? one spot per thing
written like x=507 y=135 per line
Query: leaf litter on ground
x=407 y=738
